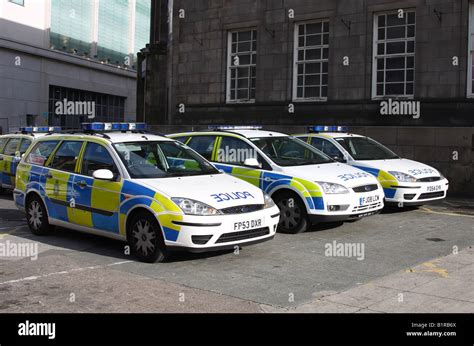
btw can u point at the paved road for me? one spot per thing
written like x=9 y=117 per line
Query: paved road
x=75 y=272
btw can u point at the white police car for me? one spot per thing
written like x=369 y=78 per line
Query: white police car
x=405 y=182
x=120 y=181
x=13 y=146
x=307 y=185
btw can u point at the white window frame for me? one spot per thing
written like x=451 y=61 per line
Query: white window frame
x=374 y=57
x=229 y=66
x=296 y=47
x=470 y=51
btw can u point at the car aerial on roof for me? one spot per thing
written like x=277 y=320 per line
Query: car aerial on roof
x=12 y=147
x=122 y=182
x=405 y=182
x=307 y=185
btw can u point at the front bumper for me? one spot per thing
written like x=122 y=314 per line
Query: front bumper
x=417 y=193
x=351 y=206
x=211 y=233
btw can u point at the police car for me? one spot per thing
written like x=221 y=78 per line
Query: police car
x=12 y=147
x=122 y=182
x=405 y=182
x=307 y=185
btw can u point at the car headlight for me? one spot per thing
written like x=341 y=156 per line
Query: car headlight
x=403 y=177
x=192 y=207
x=331 y=188
x=268 y=201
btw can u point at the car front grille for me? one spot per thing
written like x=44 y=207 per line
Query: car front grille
x=367 y=207
x=365 y=188
x=242 y=235
x=429 y=179
x=430 y=195
x=242 y=209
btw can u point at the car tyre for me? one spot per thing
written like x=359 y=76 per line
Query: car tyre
x=37 y=216
x=293 y=216
x=146 y=239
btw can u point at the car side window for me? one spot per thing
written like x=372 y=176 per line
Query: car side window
x=40 y=153
x=11 y=147
x=97 y=157
x=3 y=141
x=204 y=145
x=326 y=147
x=234 y=151
x=66 y=156
x=25 y=144
x=182 y=139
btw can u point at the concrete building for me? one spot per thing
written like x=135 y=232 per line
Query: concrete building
x=81 y=51
x=287 y=64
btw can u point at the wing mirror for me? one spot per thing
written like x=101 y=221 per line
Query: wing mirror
x=17 y=157
x=103 y=174
x=341 y=159
x=252 y=162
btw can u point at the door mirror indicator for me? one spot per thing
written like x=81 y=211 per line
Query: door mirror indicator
x=103 y=174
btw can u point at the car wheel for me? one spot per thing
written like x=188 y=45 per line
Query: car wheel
x=293 y=215
x=37 y=216
x=146 y=239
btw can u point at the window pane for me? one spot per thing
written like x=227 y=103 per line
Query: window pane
x=12 y=147
x=65 y=158
x=204 y=145
x=40 y=153
x=97 y=157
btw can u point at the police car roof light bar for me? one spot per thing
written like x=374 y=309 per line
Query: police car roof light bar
x=322 y=128
x=104 y=127
x=230 y=127
x=39 y=129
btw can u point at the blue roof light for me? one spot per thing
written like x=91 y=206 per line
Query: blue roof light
x=113 y=126
x=322 y=128
x=40 y=129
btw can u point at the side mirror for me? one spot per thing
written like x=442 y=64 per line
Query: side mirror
x=103 y=174
x=340 y=159
x=252 y=162
x=17 y=157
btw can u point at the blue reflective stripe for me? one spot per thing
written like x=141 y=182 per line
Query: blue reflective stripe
x=226 y=169
x=389 y=193
x=372 y=171
x=130 y=188
x=170 y=234
x=106 y=222
x=271 y=180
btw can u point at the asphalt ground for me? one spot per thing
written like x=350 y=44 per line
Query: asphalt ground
x=76 y=272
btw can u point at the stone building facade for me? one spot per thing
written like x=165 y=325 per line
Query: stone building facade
x=287 y=64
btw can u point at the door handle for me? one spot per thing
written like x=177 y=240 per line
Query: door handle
x=48 y=175
x=82 y=184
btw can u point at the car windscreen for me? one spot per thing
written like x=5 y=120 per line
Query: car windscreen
x=288 y=151
x=364 y=148
x=162 y=159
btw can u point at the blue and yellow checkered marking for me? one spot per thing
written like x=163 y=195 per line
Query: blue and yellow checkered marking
x=269 y=181
x=100 y=205
x=385 y=179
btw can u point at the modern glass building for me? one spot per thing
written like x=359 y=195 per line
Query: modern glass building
x=69 y=51
x=112 y=31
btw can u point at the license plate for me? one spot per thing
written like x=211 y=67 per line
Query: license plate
x=369 y=200
x=248 y=224
x=434 y=188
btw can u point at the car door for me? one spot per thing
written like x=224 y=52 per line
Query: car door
x=7 y=162
x=58 y=179
x=97 y=202
x=230 y=156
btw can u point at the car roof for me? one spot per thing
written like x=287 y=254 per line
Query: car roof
x=330 y=134
x=23 y=135
x=112 y=137
x=243 y=133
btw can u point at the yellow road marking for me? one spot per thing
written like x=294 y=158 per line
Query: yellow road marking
x=431 y=268
x=9 y=232
x=427 y=210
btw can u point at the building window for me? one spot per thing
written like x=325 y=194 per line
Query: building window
x=242 y=66
x=470 y=67
x=310 y=76
x=394 y=54
x=18 y=2
x=106 y=108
